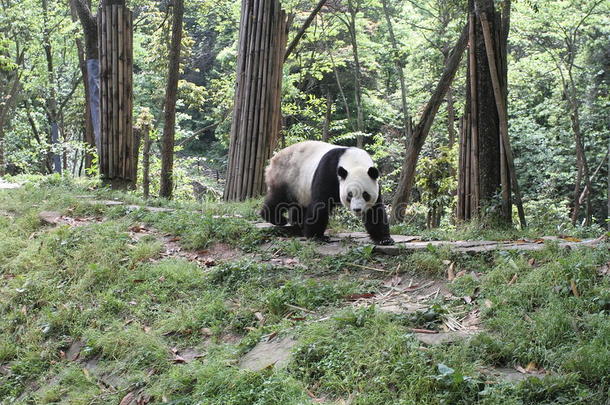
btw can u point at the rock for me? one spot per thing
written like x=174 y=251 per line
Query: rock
x=331 y=249
x=50 y=217
x=401 y=308
x=505 y=374
x=73 y=352
x=433 y=339
x=265 y=354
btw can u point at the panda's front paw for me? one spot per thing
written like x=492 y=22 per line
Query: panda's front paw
x=385 y=241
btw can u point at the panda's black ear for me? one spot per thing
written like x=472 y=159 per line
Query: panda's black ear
x=374 y=173
x=342 y=172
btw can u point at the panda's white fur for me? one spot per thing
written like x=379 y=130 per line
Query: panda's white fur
x=296 y=165
x=292 y=185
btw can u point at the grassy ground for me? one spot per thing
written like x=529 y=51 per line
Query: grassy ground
x=90 y=314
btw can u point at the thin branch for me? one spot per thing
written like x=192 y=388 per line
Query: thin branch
x=301 y=32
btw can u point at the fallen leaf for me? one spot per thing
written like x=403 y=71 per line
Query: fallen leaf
x=531 y=367
x=520 y=369
x=532 y=262
x=175 y=239
x=570 y=239
x=460 y=273
x=179 y=359
x=513 y=279
x=487 y=303
x=206 y=331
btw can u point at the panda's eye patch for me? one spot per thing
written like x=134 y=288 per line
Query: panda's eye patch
x=350 y=195
x=366 y=196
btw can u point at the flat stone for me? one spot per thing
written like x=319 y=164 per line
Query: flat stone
x=331 y=249
x=506 y=374
x=73 y=352
x=401 y=308
x=434 y=339
x=50 y=217
x=275 y=353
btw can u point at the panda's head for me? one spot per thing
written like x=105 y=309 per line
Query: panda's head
x=358 y=188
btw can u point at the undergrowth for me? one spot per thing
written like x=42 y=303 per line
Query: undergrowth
x=132 y=311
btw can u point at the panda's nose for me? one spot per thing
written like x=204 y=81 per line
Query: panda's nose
x=357 y=210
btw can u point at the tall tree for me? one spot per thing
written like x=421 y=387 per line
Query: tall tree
x=51 y=101
x=422 y=129
x=171 y=93
x=486 y=163
x=398 y=63
x=90 y=67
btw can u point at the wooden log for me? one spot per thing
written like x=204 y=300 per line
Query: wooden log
x=491 y=59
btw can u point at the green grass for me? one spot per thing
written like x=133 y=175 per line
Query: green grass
x=131 y=309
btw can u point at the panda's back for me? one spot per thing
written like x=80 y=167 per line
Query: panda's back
x=294 y=168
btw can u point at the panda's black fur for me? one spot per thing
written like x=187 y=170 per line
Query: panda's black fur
x=304 y=181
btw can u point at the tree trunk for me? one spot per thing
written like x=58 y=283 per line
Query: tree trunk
x=146 y=163
x=51 y=101
x=256 y=115
x=406 y=117
x=491 y=168
x=421 y=131
x=167 y=146
x=91 y=75
x=297 y=38
x=327 y=116
x=357 y=79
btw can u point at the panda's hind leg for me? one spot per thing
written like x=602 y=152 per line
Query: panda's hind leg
x=274 y=207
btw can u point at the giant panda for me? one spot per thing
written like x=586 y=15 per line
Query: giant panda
x=308 y=179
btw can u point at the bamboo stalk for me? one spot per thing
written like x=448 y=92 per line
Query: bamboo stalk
x=129 y=78
x=103 y=82
x=475 y=192
x=245 y=97
x=120 y=101
x=258 y=106
x=267 y=52
x=502 y=115
x=237 y=108
x=468 y=177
